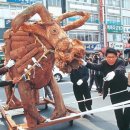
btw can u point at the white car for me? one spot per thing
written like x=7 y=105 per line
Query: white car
x=59 y=75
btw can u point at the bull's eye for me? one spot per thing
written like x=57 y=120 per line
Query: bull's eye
x=54 y=30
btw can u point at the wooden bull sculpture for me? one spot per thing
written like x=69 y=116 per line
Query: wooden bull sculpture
x=35 y=48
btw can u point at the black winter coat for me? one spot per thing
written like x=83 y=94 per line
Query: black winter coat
x=3 y=70
x=119 y=82
x=80 y=73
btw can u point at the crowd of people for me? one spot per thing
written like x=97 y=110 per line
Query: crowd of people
x=96 y=76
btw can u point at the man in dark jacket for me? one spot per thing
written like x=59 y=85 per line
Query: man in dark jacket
x=113 y=70
x=3 y=70
x=81 y=90
x=99 y=75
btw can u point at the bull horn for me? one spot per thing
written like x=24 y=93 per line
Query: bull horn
x=75 y=24
x=28 y=13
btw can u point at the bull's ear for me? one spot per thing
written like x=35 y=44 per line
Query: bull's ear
x=28 y=13
x=75 y=24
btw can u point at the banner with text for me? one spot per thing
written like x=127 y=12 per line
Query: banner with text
x=116 y=45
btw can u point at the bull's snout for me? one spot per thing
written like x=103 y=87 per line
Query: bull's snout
x=69 y=54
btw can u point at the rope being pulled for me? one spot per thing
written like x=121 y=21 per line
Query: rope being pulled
x=93 y=97
x=116 y=106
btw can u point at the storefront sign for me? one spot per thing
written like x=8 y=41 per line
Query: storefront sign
x=93 y=47
x=126 y=29
x=116 y=45
x=8 y=23
x=23 y=1
x=114 y=28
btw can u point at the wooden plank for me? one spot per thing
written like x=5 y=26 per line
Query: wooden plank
x=53 y=122
x=3 y=112
x=42 y=102
x=13 y=126
x=45 y=124
x=10 y=122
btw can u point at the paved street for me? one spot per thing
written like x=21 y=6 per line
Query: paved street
x=99 y=121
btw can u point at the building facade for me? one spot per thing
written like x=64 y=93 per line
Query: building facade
x=9 y=9
x=89 y=32
x=117 y=20
x=108 y=25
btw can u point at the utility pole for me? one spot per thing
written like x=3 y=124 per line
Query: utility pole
x=101 y=19
x=103 y=35
x=63 y=5
x=47 y=4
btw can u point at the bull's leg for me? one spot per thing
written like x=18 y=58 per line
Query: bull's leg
x=16 y=100
x=12 y=100
x=35 y=94
x=8 y=92
x=60 y=109
x=32 y=115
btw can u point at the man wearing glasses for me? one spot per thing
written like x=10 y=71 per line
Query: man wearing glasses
x=113 y=70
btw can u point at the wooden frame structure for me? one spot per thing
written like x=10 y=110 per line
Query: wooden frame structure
x=13 y=126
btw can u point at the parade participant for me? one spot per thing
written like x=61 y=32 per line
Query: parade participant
x=3 y=70
x=96 y=75
x=113 y=70
x=119 y=55
x=81 y=90
x=10 y=82
x=91 y=73
x=99 y=75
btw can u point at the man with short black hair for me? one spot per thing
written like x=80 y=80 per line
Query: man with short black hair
x=113 y=70
x=81 y=90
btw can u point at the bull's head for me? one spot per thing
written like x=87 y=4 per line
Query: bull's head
x=68 y=52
